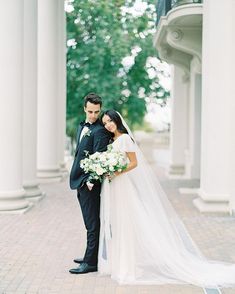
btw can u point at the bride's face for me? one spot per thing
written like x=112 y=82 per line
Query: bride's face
x=109 y=124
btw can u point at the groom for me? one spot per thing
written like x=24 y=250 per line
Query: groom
x=91 y=137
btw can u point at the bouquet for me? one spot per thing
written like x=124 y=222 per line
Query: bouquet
x=101 y=164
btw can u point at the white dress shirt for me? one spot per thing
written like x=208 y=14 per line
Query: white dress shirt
x=84 y=131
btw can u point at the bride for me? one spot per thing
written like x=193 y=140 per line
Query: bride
x=142 y=240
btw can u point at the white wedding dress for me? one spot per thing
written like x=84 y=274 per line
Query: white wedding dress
x=142 y=240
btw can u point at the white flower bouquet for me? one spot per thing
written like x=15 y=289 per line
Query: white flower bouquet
x=101 y=164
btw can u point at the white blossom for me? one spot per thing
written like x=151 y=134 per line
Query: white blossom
x=99 y=164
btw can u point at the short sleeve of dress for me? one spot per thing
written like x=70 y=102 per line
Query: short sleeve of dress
x=126 y=144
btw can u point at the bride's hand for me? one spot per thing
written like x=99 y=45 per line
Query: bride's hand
x=111 y=177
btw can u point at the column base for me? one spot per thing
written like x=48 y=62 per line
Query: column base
x=33 y=193
x=212 y=197
x=190 y=187
x=176 y=171
x=49 y=176
x=211 y=202
x=210 y=207
x=14 y=202
x=64 y=171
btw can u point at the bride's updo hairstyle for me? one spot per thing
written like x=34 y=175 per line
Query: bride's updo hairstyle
x=114 y=116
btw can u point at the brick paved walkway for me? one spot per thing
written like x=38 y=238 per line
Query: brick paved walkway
x=37 y=248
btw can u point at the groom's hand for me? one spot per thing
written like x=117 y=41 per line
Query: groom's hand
x=89 y=186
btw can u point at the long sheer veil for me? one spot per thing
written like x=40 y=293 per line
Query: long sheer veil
x=172 y=215
x=181 y=259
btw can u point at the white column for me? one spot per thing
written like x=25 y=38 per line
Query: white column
x=62 y=86
x=232 y=150
x=232 y=113
x=179 y=124
x=193 y=161
x=30 y=101
x=48 y=155
x=11 y=73
x=217 y=74
x=193 y=152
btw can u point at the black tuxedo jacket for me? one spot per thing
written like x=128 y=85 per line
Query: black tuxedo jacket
x=97 y=140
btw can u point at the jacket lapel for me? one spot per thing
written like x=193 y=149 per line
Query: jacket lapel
x=79 y=133
x=78 y=136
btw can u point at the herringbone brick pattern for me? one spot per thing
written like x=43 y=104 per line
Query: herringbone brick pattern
x=37 y=248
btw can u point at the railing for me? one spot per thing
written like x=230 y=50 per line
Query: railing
x=175 y=3
x=163 y=6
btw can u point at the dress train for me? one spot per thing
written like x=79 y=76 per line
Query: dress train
x=143 y=241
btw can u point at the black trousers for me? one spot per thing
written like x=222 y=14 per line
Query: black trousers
x=90 y=206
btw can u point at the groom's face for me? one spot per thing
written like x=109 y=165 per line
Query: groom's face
x=92 y=112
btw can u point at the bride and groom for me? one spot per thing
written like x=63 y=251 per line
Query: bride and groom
x=133 y=232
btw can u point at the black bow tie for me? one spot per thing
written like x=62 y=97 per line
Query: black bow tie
x=85 y=124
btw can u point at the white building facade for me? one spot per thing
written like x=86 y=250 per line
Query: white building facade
x=32 y=100
x=198 y=40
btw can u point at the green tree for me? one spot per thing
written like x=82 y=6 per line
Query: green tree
x=109 y=45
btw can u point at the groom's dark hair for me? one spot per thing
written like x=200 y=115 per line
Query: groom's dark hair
x=92 y=98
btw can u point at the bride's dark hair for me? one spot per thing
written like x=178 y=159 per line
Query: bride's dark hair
x=115 y=117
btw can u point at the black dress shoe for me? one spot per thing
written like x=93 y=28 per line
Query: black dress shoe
x=83 y=269
x=78 y=260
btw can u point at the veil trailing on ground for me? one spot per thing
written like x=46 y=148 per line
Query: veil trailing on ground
x=166 y=253
x=182 y=259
